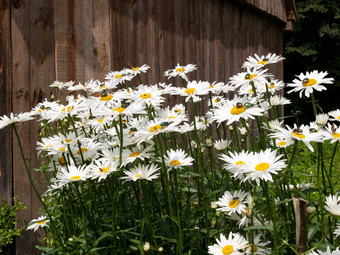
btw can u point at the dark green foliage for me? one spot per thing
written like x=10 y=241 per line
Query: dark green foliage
x=7 y=222
x=314 y=45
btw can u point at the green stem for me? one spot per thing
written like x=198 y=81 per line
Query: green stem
x=314 y=105
x=35 y=189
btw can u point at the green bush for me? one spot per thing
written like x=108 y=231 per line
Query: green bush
x=7 y=222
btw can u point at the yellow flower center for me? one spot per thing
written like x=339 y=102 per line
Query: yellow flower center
x=189 y=91
x=239 y=163
x=338 y=117
x=119 y=109
x=336 y=136
x=135 y=154
x=102 y=87
x=233 y=203
x=247 y=211
x=250 y=76
x=211 y=86
x=251 y=91
x=263 y=62
x=106 y=98
x=175 y=162
x=76 y=177
x=228 y=249
x=101 y=120
x=282 y=143
x=82 y=150
x=155 y=128
x=301 y=136
x=68 y=140
x=69 y=108
x=104 y=169
x=118 y=76
x=254 y=248
x=262 y=166
x=61 y=160
x=237 y=110
x=41 y=222
x=61 y=149
x=145 y=95
x=310 y=82
x=181 y=69
x=135 y=69
x=138 y=175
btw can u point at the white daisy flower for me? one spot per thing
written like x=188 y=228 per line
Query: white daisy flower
x=180 y=71
x=233 y=110
x=138 y=69
x=193 y=89
x=304 y=133
x=234 y=245
x=234 y=161
x=152 y=128
x=332 y=132
x=137 y=152
x=333 y=204
x=245 y=78
x=58 y=84
x=260 y=62
x=279 y=100
x=141 y=172
x=218 y=87
x=274 y=85
x=337 y=231
x=149 y=95
x=257 y=247
x=41 y=222
x=328 y=252
x=102 y=168
x=175 y=159
x=235 y=203
x=282 y=142
x=261 y=165
x=221 y=144
x=86 y=86
x=118 y=77
x=274 y=124
x=72 y=174
x=335 y=115
x=15 y=118
x=306 y=83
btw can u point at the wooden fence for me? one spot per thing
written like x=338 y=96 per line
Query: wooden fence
x=45 y=40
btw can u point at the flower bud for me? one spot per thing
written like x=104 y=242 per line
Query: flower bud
x=213 y=205
x=208 y=142
x=146 y=246
x=311 y=209
x=321 y=119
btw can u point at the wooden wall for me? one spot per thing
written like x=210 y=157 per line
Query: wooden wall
x=42 y=41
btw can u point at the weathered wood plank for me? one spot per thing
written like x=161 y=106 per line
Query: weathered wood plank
x=20 y=103
x=69 y=43
x=97 y=39
x=5 y=95
x=41 y=76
